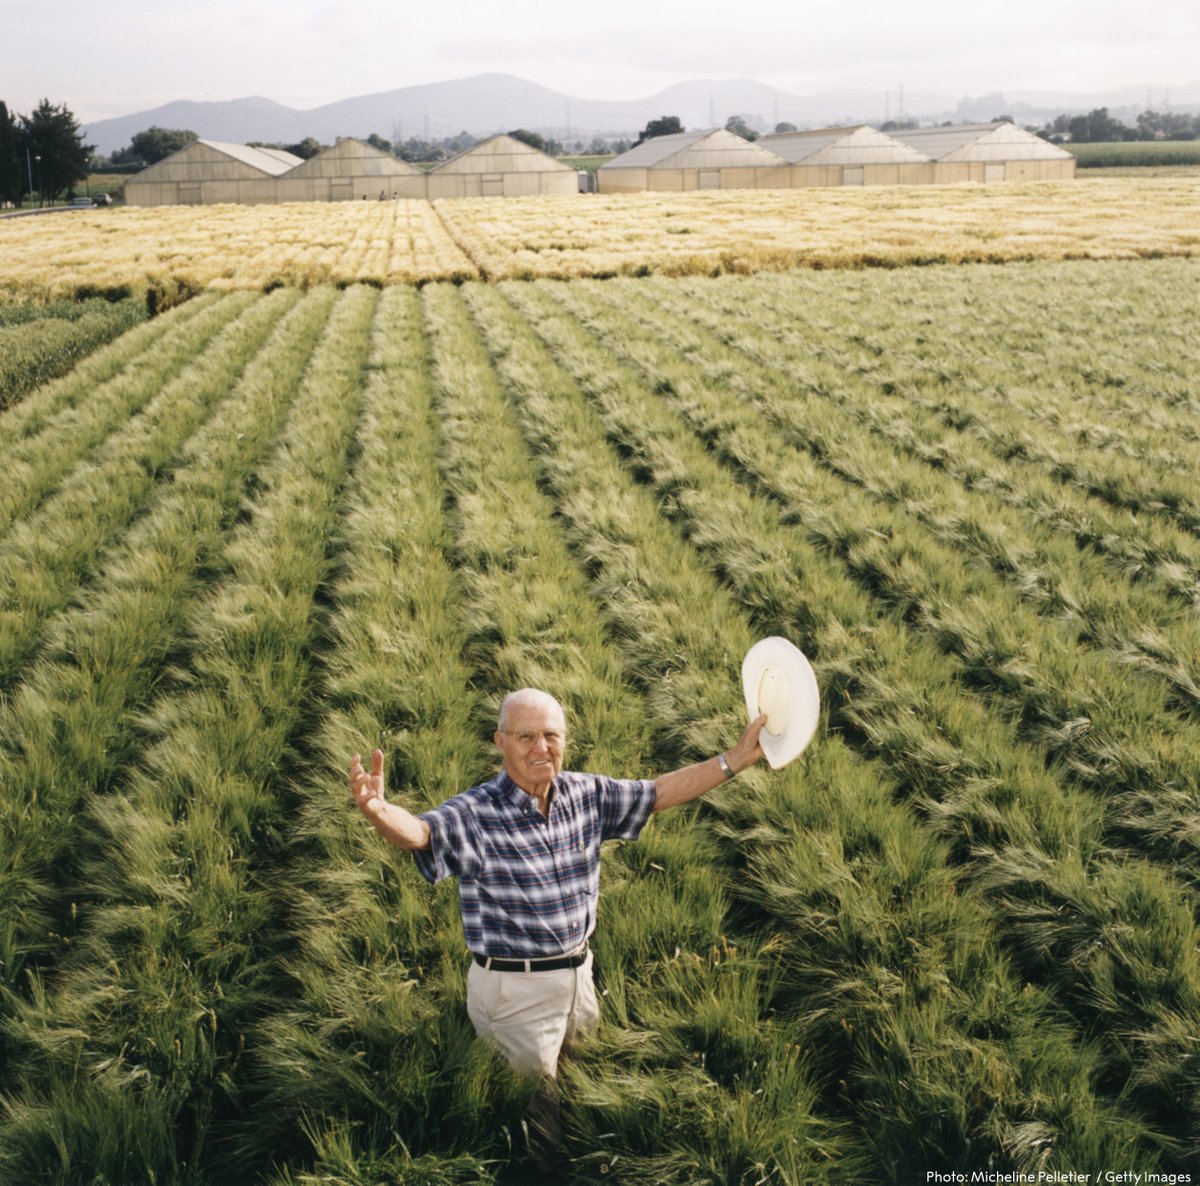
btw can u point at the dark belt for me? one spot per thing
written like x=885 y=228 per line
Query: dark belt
x=539 y=965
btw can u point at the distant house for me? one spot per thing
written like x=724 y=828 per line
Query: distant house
x=207 y=172
x=712 y=159
x=856 y=155
x=501 y=166
x=351 y=169
x=988 y=153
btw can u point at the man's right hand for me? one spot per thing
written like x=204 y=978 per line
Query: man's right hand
x=390 y=820
x=367 y=789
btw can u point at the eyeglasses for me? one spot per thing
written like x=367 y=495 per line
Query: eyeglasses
x=527 y=737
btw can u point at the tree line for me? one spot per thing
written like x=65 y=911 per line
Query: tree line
x=1098 y=126
x=43 y=153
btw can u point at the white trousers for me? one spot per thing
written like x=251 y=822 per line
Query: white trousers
x=530 y=1015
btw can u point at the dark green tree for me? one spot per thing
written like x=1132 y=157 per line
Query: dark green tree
x=786 y=127
x=306 y=149
x=1167 y=125
x=375 y=140
x=12 y=164
x=530 y=138
x=155 y=144
x=56 y=142
x=1096 y=127
x=739 y=127
x=665 y=125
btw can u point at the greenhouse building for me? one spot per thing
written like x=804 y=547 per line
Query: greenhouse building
x=694 y=160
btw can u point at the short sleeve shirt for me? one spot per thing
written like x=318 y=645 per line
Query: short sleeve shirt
x=529 y=884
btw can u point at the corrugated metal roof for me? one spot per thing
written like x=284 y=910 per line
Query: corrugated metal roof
x=272 y=161
x=354 y=158
x=502 y=154
x=1000 y=141
x=286 y=158
x=855 y=145
x=707 y=149
x=650 y=152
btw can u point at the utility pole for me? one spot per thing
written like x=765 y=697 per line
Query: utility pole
x=29 y=175
x=900 y=105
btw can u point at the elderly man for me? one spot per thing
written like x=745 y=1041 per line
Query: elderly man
x=525 y=847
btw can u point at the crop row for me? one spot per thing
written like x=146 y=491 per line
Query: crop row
x=35 y=350
x=1136 y=153
x=983 y=338
x=413 y=633
x=287 y=528
x=1049 y=632
x=175 y=966
x=710 y=233
x=934 y=422
x=370 y=1061
x=45 y=553
x=554 y=423
x=70 y=727
x=53 y=433
x=98 y=368
x=681 y=1068
x=1037 y=847
x=169 y=252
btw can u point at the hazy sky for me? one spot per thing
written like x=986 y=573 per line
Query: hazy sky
x=115 y=57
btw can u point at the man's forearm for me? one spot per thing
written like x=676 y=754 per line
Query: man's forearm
x=397 y=826
x=688 y=783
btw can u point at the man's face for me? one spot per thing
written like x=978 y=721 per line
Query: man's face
x=532 y=744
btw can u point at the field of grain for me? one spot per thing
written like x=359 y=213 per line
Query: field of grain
x=264 y=531
x=40 y=341
x=174 y=251
x=1137 y=153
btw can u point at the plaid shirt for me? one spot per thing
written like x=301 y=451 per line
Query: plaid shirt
x=528 y=884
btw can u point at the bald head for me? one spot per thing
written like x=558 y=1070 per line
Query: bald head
x=532 y=738
x=532 y=698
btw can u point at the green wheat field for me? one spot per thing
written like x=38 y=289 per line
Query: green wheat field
x=249 y=537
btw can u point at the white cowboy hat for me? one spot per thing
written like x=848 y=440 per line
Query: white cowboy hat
x=779 y=681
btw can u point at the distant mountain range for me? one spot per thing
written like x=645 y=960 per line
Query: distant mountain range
x=488 y=103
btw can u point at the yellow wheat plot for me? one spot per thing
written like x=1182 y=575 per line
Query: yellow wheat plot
x=750 y=231
x=232 y=247
x=227 y=247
